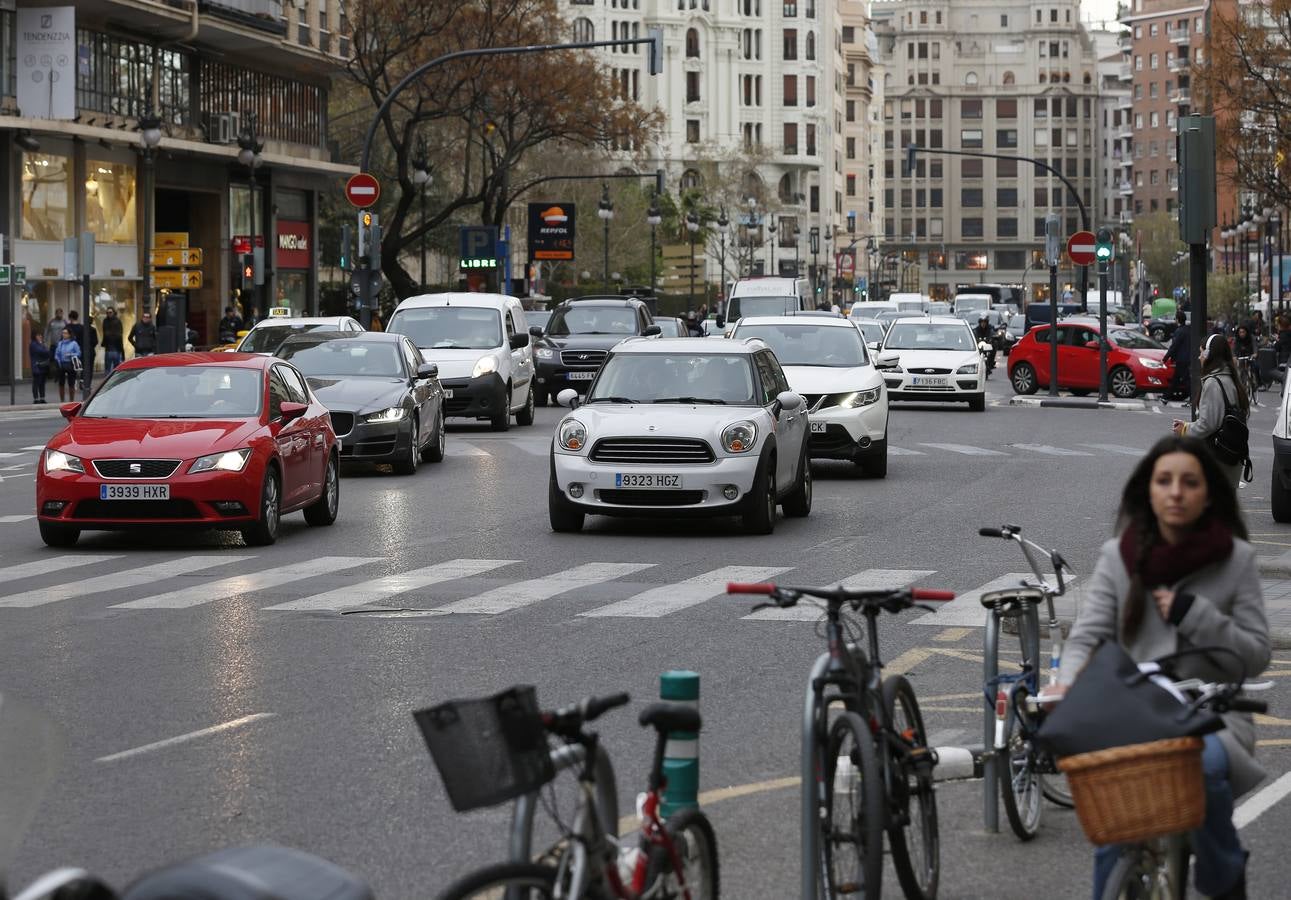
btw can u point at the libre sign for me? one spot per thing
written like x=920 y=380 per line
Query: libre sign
x=46 y=62
x=551 y=231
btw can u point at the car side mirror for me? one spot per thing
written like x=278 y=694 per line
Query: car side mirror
x=652 y=330
x=788 y=400
x=887 y=359
x=568 y=398
x=69 y=410
x=535 y=330
x=519 y=341
x=428 y=370
x=292 y=411
x=873 y=346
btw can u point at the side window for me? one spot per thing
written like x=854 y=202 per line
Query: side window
x=277 y=395
x=412 y=356
x=1083 y=336
x=766 y=377
x=782 y=383
x=1042 y=335
x=511 y=325
x=296 y=391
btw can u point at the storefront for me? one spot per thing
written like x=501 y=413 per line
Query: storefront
x=294 y=255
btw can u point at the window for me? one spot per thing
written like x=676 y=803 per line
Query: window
x=1006 y=108
x=584 y=30
x=1006 y=228
x=692 y=131
x=970 y=79
x=851 y=185
x=811 y=91
x=1152 y=29
x=790 y=90
x=1011 y=259
x=851 y=117
x=1006 y=138
x=810 y=50
x=851 y=146
x=1006 y=168
x=692 y=43
x=1006 y=197
x=970 y=109
x=1041 y=137
x=791 y=43
x=934 y=198
x=790 y=138
x=970 y=198
x=110 y=201
x=970 y=138
x=1153 y=60
x=1004 y=21
x=970 y=168
x=934 y=108
x=811 y=140
x=46 y=197
x=849 y=34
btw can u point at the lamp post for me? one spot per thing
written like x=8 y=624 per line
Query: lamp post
x=653 y=218
x=813 y=244
x=829 y=262
x=605 y=209
x=870 y=249
x=771 y=244
x=421 y=178
x=752 y=241
x=1277 y=223
x=149 y=138
x=692 y=225
x=249 y=147
x=723 y=225
x=797 y=235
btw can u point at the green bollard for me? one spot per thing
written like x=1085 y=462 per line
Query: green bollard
x=681 y=751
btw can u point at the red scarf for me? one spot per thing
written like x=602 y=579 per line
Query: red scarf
x=1210 y=542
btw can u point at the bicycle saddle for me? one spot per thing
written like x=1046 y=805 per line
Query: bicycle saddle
x=669 y=717
x=1010 y=597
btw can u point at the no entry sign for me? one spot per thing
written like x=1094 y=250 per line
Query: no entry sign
x=363 y=190
x=1080 y=247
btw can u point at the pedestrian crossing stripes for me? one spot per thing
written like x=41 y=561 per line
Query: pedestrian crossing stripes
x=535 y=590
x=13 y=520
x=356 y=595
x=207 y=592
x=672 y=598
x=50 y=566
x=966 y=608
x=1047 y=450
x=965 y=449
x=118 y=581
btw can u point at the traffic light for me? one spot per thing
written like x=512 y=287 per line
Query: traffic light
x=1104 y=248
x=248 y=272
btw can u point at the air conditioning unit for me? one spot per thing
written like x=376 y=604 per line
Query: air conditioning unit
x=223 y=128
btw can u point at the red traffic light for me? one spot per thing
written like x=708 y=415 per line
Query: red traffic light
x=248 y=272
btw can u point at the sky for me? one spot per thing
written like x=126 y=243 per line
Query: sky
x=1098 y=10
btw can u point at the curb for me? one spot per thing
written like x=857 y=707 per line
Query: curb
x=1077 y=403
x=1277 y=567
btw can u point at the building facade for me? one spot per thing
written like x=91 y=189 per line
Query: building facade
x=76 y=162
x=1015 y=79
x=862 y=158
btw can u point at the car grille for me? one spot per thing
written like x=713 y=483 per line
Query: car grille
x=123 y=468
x=652 y=451
x=927 y=388
x=651 y=498
x=456 y=405
x=383 y=447
x=585 y=359
x=342 y=423
x=928 y=371
x=135 y=509
x=833 y=440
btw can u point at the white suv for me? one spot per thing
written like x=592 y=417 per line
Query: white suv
x=939 y=360
x=826 y=362
x=679 y=427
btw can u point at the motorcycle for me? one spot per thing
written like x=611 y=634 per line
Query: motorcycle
x=987 y=350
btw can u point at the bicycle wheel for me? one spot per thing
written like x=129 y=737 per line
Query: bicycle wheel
x=696 y=845
x=1053 y=784
x=912 y=829
x=512 y=881
x=1147 y=873
x=851 y=823
x=1020 y=784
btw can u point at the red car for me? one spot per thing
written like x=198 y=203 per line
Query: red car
x=207 y=440
x=1135 y=362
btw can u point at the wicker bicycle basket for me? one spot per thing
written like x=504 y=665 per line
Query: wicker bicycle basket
x=1137 y=792
x=490 y=750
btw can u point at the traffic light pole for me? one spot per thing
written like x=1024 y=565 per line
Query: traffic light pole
x=1053 y=253
x=1102 y=332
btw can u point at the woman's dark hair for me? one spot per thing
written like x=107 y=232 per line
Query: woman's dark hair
x=1219 y=355
x=1136 y=512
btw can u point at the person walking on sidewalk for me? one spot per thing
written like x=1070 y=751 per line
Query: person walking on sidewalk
x=54 y=329
x=67 y=356
x=143 y=336
x=114 y=350
x=1181 y=352
x=38 y=354
x=1221 y=394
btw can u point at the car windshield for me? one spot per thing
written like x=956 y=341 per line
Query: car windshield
x=269 y=338
x=1134 y=340
x=178 y=392
x=962 y=303
x=744 y=307
x=449 y=327
x=538 y=317
x=929 y=336
x=1018 y=323
x=720 y=378
x=371 y=359
x=578 y=319
x=873 y=331
x=810 y=345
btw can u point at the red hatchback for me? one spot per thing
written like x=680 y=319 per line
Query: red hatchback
x=205 y=440
x=1135 y=362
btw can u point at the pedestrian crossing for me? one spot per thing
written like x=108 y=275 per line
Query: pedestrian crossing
x=460 y=588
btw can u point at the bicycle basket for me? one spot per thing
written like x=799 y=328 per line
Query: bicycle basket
x=488 y=751
x=1139 y=791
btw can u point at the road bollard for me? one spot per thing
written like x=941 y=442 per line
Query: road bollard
x=681 y=751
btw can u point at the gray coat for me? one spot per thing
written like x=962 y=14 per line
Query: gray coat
x=1227 y=611
x=54 y=332
x=1210 y=406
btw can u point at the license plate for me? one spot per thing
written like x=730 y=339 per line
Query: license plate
x=448 y=394
x=930 y=382
x=134 y=492
x=817 y=427
x=580 y=376
x=635 y=480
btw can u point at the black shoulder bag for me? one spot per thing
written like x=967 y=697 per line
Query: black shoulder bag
x=1231 y=440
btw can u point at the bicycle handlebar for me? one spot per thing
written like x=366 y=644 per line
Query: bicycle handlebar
x=991 y=532
x=1245 y=704
x=788 y=596
x=931 y=594
x=571 y=718
x=749 y=587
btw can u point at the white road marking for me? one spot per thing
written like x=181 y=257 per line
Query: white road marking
x=902 y=451
x=1050 y=450
x=200 y=594
x=964 y=449
x=536 y=448
x=1118 y=448
x=185 y=738
x=381 y=588
x=875 y=579
x=117 y=581
x=9 y=520
x=50 y=565
x=461 y=448
x=1262 y=801
x=4 y=455
x=34 y=447
x=535 y=590
x=671 y=598
x=966 y=609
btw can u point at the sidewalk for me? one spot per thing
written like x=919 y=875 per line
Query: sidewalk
x=22 y=396
x=1275 y=580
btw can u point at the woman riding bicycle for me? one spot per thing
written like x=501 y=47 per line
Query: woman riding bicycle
x=1181 y=574
x=1220 y=390
x=1243 y=342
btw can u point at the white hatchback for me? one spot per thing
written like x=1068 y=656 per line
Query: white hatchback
x=939 y=361
x=827 y=362
x=678 y=427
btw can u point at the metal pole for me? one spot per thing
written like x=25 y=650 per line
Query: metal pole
x=690 y=298
x=652 y=273
x=990 y=673
x=146 y=301
x=85 y=337
x=1053 y=330
x=423 y=238
x=607 y=254
x=1197 y=260
x=808 y=825
x=1102 y=332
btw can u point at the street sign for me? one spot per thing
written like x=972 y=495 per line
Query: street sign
x=177 y=279
x=478 y=247
x=171 y=258
x=19 y=274
x=4 y=275
x=170 y=240
x=1080 y=247
x=362 y=190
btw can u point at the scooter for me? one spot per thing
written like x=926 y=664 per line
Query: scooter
x=987 y=349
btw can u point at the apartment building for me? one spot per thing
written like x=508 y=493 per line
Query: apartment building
x=862 y=158
x=1011 y=78
x=77 y=118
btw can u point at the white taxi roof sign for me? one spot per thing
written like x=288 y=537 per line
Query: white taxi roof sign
x=277 y=312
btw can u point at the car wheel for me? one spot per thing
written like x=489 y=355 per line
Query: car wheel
x=58 y=535
x=323 y=510
x=265 y=531
x=502 y=421
x=563 y=515
x=760 y=518
x=978 y=403
x=1023 y=379
x=525 y=416
x=798 y=503
x=434 y=451
x=1279 y=496
x=875 y=462
x=1122 y=384
x=408 y=465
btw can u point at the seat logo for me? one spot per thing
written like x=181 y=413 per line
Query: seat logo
x=136 y=468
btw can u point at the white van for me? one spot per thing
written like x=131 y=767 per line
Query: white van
x=481 y=344
x=766 y=297
x=969 y=302
x=871 y=309
x=909 y=302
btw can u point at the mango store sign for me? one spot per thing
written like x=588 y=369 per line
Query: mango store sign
x=295 y=245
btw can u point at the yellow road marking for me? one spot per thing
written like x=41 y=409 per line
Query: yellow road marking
x=1261 y=719
x=1270 y=543
x=940 y=697
x=717 y=795
x=908 y=660
x=1274 y=742
x=950 y=635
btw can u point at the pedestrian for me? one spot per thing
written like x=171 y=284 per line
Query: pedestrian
x=1180 y=573
x=143 y=336
x=54 y=328
x=1258 y=327
x=89 y=350
x=114 y=351
x=1221 y=394
x=253 y=318
x=230 y=325
x=1283 y=345
x=67 y=356
x=38 y=354
x=1180 y=352
x=75 y=327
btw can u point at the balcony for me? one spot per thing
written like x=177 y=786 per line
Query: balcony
x=1124 y=72
x=1127 y=160
x=1125 y=189
x=1127 y=217
x=1125 y=131
x=1125 y=101
x=1180 y=64
x=1125 y=41
x=1180 y=36
x=1180 y=95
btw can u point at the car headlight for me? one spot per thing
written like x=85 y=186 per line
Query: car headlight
x=58 y=461
x=487 y=365
x=739 y=437
x=229 y=461
x=1147 y=363
x=392 y=414
x=544 y=352
x=970 y=369
x=572 y=435
x=859 y=398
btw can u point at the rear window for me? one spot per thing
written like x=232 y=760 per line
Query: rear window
x=742 y=307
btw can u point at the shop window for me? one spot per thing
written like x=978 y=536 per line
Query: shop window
x=46 y=197
x=110 y=201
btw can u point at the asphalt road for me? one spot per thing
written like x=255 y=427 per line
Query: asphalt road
x=128 y=642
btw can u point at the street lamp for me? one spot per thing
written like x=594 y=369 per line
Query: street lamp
x=813 y=244
x=653 y=218
x=605 y=209
x=723 y=225
x=249 y=147
x=829 y=261
x=753 y=242
x=421 y=180
x=797 y=234
x=692 y=225
x=771 y=243
x=149 y=138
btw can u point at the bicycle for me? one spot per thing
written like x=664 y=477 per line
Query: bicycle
x=1012 y=715
x=1250 y=377
x=870 y=770
x=496 y=749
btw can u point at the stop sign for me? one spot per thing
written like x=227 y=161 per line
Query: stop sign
x=363 y=190
x=1080 y=247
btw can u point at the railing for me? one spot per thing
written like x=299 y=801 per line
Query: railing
x=1125 y=188
x=1179 y=64
x=1179 y=36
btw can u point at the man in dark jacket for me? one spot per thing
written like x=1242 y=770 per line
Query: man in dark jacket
x=230 y=325
x=114 y=350
x=1181 y=353
x=143 y=336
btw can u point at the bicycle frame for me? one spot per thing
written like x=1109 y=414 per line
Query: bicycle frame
x=566 y=756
